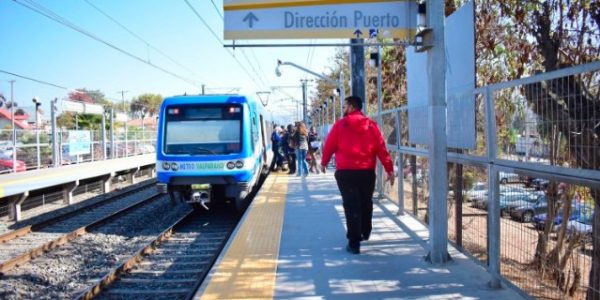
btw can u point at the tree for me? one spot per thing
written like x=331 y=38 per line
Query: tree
x=150 y=103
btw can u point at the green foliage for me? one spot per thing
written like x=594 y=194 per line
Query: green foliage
x=149 y=103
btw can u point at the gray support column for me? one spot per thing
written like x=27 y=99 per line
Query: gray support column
x=304 y=100
x=153 y=172
x=493 y=216
x=68 y=190
x=112 y=134
x=103 y=136
x=342 y=93
x=131 y=175
x=55 y=143
x=15 y=207
x=400 y=161
x=438 y=181
x=357 y=63
x=381 y=181
x=106 y=182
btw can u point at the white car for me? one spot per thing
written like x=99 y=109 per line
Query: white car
x=505 y=178
x=581 y=225
x=477 y=192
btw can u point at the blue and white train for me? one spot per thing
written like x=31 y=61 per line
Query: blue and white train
x=212 y=148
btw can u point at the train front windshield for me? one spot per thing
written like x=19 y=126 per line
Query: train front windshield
x=203 y=129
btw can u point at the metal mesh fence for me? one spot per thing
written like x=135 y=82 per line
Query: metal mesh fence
x=541 y=137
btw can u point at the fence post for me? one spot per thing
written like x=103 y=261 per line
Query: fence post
x=493 y=219
x=400 y=186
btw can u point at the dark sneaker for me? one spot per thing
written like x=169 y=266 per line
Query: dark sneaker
x=352 y=250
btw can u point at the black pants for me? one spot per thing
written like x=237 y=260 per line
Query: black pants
x=356 y=187
x=292 y=161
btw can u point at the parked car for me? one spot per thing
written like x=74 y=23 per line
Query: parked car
x=6 y=164
x=525 y=211
x=539 y=221
x=477 y=192
x=512 y=200
x=581 y=225
x=505 y=178
x=504 y=190
x=540 y=184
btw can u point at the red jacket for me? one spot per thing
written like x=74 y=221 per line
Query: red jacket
x=356 y=141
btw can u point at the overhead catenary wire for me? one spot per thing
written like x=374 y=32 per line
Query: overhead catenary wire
x=222 y=44
x=40 y=9
x=259 y=75
x=148 y=44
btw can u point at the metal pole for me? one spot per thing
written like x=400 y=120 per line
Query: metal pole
x=14 y=130
x=342 y=93
x=380 y=186
x=37 y=134
x=303 y=100
x=103 y=136
x=112 y=133
x=55 y=144
x=438 y=182
x=493 y=217
x=357 y=61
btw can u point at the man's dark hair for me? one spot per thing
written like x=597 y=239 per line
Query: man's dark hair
x=354 y=101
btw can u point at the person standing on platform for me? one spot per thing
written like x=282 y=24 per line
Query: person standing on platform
x=275 y=145
x=356 y=142
x=301 y=141
x=290 y=149
x=313 y=141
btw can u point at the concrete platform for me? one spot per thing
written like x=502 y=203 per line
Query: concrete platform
x=310 y=261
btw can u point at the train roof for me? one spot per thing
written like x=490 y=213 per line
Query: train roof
x=208 y=99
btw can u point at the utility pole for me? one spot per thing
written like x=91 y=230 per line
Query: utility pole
x=203 y=89
x=357 y=61
x=304 y=81
x=14 y=130
x=123 y=99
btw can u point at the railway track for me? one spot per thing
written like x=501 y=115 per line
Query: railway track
x=73 y=267
x=173 y=265
x=20 y=246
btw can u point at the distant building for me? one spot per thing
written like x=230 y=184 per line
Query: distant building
x=20 y=119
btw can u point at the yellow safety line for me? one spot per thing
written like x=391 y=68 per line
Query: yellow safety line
x=264 y=5
x=249 y=267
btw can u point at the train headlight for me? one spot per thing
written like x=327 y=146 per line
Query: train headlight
x=174 y=166
x=239 y=164
x=230 y=165
x=166 y=166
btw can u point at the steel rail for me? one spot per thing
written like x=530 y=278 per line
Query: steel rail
x=38 y=251
x=23 y=231
x=104 y=284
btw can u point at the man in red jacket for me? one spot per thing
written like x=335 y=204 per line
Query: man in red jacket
x=356 y=142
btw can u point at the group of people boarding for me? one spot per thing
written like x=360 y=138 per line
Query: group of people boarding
x=295 y=146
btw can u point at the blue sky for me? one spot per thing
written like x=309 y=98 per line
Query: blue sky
x=35 y=46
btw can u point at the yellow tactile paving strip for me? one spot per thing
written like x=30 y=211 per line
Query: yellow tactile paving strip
x=249 y=267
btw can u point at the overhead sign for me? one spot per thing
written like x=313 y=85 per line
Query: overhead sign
x=82 y=108
x=460 y=83
x=289 y=19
